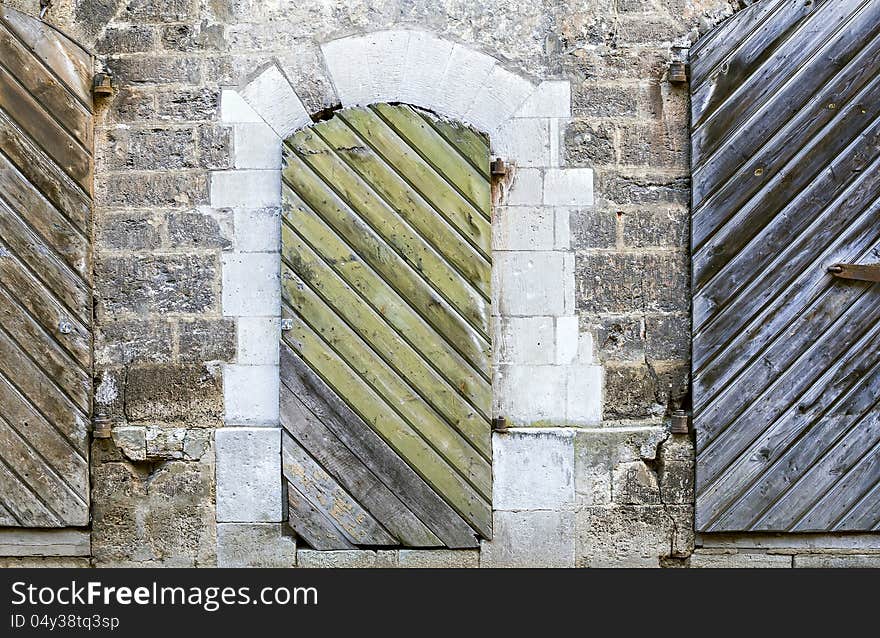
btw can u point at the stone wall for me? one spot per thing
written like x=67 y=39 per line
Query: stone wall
x=614 y=490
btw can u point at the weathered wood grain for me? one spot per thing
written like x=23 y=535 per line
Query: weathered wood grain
x=363 y=442
x=786 y=157
x=61 y=57
x=46 y=163
x=375 y=232
x=327 y=496
x=312 y=525
x=409 y=306
x=352 y=474
x=56 y=99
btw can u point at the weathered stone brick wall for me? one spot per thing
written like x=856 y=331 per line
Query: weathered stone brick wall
x=162 y=337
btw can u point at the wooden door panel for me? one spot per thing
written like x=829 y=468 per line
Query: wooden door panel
x=386 y=351
x=786 y=183
x=46 y=172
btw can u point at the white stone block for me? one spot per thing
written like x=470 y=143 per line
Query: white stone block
x=533 y=539
x=258 y=339
x=251 y=285
x=584 y=395
x=524 y=340
x=523 y=228
x=250 y=394
x=568 y=288
x=257 y=230
x=530 y=284
x=525 y=142
x=568 y=187
x=427 y=58
x=563 y=229
x=347 y=62
x=386 y=59
x=256 y=146
x=533 y=470
x=233 y=109
x=498 y=99
x=551 y=98
x=264 y=545
x=274 y=100
x=246 y=189
x=466 y=75
x=526 y=189
x=530 y=394
x=555 y=143
x=248 y=475
x=567 y=338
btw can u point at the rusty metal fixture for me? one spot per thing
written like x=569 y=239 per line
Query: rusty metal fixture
x=499 y=424
x=101 y=426
x=102 y=85
x=678 y=68
x=498 y=168
x=681 y=422
x=678 y=72
x=857 y=272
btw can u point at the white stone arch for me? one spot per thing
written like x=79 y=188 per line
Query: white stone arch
x=545 y=373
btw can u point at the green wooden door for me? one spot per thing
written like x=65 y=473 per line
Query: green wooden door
x=386 y=344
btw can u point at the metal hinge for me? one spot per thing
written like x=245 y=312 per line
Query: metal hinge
x=499 y=424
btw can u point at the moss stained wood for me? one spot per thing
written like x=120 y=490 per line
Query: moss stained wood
x=386 y=283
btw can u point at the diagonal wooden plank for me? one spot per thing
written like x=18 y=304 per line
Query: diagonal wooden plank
x=41 y=172
x=470 y=144
x=61 y=57
x=413 y=358
x=41 y=478
x=374 y=452
x=390 y=368
x=65 y=453
x=56 y=98
x=786 y=162
x=66 y=239
x=468 y=248
x=355 y=477
x=709 y=53
x=64 y=150
x=326 y=495
x=313 y=525
x=41 y=260
x=356 y=207
x=434 y=149
x=370 y=269
x=46 y=352
x=394 y=392
x=424 y=449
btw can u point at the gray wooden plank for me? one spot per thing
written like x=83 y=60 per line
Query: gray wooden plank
x=351 y=473
x=312 y=525
x=363 y=442
x=61 y=56
x=329 y=497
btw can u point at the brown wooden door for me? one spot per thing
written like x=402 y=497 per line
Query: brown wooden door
x=386 y=349
x=45 y=274
x=786 y=183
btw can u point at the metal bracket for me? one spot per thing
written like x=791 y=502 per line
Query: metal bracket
x=681 y=422
x=858 y=272
x=286 y=324
x=499 y=424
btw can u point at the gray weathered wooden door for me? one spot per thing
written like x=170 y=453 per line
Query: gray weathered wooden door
x=45 y=265
x=786 y=167
x=385 y=352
